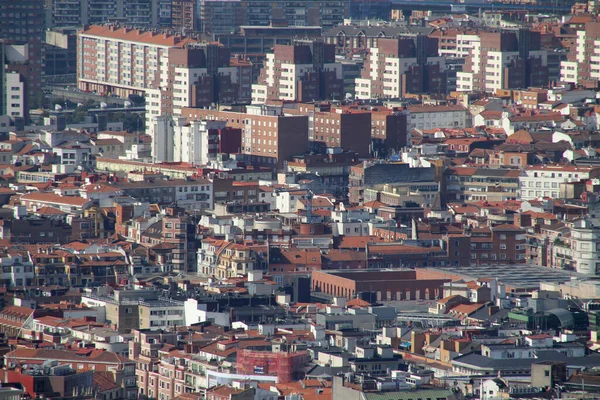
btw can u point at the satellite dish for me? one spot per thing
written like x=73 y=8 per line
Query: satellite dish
x=103 y=105
x=349 y=96
x=57 y=107
x=127 y=104
x=79 y=104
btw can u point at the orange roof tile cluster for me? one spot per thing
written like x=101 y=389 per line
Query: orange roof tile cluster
x=136 y=35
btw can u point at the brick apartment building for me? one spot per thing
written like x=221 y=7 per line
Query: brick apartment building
x=504 y=60
x=397 y=284
x=397 y=67
x=580 y=67
x=170 y=71
x=499 y=245
x=267 y=139
x=303 y=71
x=343 y=127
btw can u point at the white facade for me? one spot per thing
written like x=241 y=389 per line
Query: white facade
x=391 y=76
x=17 y=270
x=468 y=44
x=15 y=95
x=569 y=71
x=544 y=181
x=585 y=247
x=497 y=61
x=163 y=140
x=436 y=117
x=286 y=201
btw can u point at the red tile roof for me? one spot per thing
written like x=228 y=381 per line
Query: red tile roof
x=135 y=35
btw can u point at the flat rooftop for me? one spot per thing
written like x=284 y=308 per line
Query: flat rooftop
x=371 y=274
x=518 y=276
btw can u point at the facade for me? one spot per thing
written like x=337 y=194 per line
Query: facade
x=267 y=139
x=226 y=16
x=126 y=61
x=140 y=13
x=286 y=366
x=260 y=40
x=549 y=180
x=22 y=38
x=504 y=60
x=183 y=15
x=473 y=184
x=432 y=117
x=396 y=284
x=585 y=246
x=580 y=67
x=61 y=52
x=343 y=128
x=196 y=142
x=365 y=175
x=397 y=67
x=303 y=71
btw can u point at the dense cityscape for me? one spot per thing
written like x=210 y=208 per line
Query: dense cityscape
x=299 y=199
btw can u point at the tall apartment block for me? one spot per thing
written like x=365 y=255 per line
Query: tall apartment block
x=303 y=71
x=184 y=15
x=582 y=66
x=141 y=13
x=170 y=71
x=397 y=67
x=504 y=60
x=22 y=66
x=226 y=16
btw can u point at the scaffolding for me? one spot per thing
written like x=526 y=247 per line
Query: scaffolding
x=286 y=366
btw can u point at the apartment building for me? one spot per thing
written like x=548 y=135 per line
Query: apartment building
x=469 y=183
x=346 y=129
x=22 y=35
x=503 y=60
x=268 y=138
x=581 y=66
x=425 y=117
x=538 y=181
x=143 y=350
x=61 y=51
x=498 y=245
x=336 y=127
x=303 y=71
x=397 y=67
x=170 y=71
x=161 y=314
x=194 y=142
x=585 y=247
x=367 y=174
x=183 y=15
x=15 y=95
x=141 y=13
x=226 y=16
